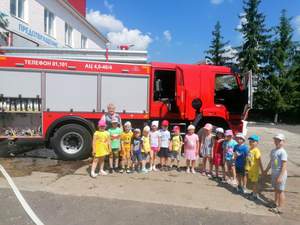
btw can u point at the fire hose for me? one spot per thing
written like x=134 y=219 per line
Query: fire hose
x=20 y=198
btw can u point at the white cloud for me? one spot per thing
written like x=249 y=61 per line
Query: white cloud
x=242 y=21
x=231 y=53
x=109 y=6
x=296 y=22
x=132 y=36
x=117 y=33
x=216 y=2
x=167 y=35
x=104 y=22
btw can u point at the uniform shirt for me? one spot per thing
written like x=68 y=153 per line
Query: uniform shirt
x=277 y=156
x=228 y=147
x=154 y=136
x=252 y=162
x=115 y=143
x=126 y=138
x=165 y=138
x=176 y=143
x=242 y=153
x=146 y=144
x=137 y=144
x=108 y=118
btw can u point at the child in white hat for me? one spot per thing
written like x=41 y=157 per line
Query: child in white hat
x=278 y=165
x=206 y=146
x=155 y=143
x=191 y=149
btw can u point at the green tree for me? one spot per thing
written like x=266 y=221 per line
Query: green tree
x=294 y=72
x=3 y=25
x=217 y=52
x=279 y=87
x=253 y=52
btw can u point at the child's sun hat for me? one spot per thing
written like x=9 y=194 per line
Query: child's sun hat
x=228 y=133
x=208 y=126
x=176 y=128
x=241 y=136
x=165 y=123
x=146 y=129
x=127 y=124
x=101 y=123
x=254 y=137
x=191 y=127
x=114 y=120
x=154 y=123
x=279 y=136
x=220 y=130
x=137 y=130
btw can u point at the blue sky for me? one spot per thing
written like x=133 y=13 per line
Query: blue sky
x=178 y=30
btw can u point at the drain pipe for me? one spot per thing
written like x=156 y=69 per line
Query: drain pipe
x=20 y=197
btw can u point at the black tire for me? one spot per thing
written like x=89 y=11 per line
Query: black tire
x=72 y=142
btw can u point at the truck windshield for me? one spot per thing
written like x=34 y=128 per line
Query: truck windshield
x=226 y=82
x=228 y=93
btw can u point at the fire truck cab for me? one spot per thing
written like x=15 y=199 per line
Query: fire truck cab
x=215 y=93
x=57 y=98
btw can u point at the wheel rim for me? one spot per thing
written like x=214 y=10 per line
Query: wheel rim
x=71 y=142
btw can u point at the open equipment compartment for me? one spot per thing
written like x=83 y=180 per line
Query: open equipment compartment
x=20 y=104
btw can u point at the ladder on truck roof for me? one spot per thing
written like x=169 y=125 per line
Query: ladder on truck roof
x=100 y=55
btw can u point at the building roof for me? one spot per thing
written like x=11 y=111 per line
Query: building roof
x=69 y=7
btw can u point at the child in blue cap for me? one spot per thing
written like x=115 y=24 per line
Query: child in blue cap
x=253 y=164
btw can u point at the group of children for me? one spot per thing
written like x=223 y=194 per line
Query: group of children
x=238 y=161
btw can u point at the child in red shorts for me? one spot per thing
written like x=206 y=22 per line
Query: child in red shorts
x=218 y=152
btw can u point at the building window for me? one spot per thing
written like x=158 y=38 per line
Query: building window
x=68 y=35
x=17 y=8
x=48 y=22
x=83 y=41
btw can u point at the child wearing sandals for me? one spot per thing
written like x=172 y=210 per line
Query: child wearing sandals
x=145 y=148
x=206 y=146
x=126 y=147
x=191 y=149
x=155 y=142
x=278 y=165
x=253 y=164
x=218 y=152
x=228 y=146
x=175 y=147
x=101 y=148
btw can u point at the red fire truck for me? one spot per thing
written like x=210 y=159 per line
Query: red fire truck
x=57 y=96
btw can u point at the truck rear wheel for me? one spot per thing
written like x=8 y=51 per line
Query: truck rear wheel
x=72 y=142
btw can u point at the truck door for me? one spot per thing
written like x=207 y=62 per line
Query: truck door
x=164 y=102
x=180 y=92
x=246 y=85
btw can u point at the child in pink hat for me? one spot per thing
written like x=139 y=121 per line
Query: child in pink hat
x=228 y=148
x=206 y=145
x=101 y=148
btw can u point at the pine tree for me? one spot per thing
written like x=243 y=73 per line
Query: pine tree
x=279 y=87
x=253 y=52
x=217 y=52
x=294 y=72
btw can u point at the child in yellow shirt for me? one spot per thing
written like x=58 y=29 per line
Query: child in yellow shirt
x=126 y=137
x=101 y=148
x=146 y=148
x=175 y=147
x=253 y=164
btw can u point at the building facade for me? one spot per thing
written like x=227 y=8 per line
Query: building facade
x=49 y=23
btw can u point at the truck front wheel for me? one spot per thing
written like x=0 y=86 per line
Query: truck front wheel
x=72 y=142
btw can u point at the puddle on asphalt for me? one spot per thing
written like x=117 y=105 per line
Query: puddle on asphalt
x=23 y=166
